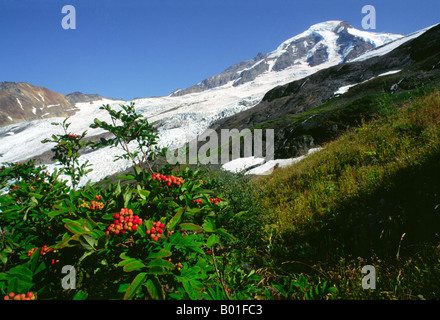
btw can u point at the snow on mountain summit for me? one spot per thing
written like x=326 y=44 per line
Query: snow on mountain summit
x=324 y=43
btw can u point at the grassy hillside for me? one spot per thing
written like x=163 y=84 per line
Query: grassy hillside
x=372 y=195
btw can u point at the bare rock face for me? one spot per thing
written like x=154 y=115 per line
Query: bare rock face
x=25 y=102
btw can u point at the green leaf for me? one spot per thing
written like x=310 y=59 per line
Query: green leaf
x=75 y=227
x=155 y=289
x=208 y=226
x=133 y=265
x=213 y=239
x=191 y=227
x=157 y=270
x=144 y=194
x=80 y=295
x=135 y=285
x=160 y=254
x=90 y=240
x=160 y=263
x=13 y=285
x=176 y=219
x=53 y=214
x=224 y=233
x=65 y=241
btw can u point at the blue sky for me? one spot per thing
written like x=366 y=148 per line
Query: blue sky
x=143 y=48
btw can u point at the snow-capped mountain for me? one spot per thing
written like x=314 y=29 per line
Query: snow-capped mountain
x=330 y=42
x=187 y=113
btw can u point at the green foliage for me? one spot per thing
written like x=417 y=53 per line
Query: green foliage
x=151 y=238
x=67 y=153
x=359 y=196
x=127 y=126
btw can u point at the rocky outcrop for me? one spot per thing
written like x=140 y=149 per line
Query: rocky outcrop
x=25 y=102
x=78 y=97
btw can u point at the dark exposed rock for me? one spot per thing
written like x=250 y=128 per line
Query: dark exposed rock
x=76 y=97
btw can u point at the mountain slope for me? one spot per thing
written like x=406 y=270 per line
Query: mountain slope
x=316 y=108
x=331 y=41
x=22 y=101
x=25 y=102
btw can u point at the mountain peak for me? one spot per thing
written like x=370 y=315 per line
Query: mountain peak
x=322 y=44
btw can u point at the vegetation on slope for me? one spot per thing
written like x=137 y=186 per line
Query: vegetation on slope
x=373 y=192
x=371 y=197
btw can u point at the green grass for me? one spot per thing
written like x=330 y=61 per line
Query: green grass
x=373 y=195
x=336 y=109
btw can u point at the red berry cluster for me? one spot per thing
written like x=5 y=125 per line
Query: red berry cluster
x=73 y=136
x=20 y=296
x=156 y=230
x=215 y=200
x=198 y=201
x=124 y=221
x=93 y=205
x=169 y=180
x=44 y=250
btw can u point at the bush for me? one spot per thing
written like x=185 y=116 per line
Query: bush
x=161 y=236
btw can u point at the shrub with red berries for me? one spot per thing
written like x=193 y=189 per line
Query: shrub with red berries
x=125 y=221
x=215 y=200
x=168 y=180
x=156 y=231
x=43 y=252
x=20 y=296
x=198 y=201
x=94 y=204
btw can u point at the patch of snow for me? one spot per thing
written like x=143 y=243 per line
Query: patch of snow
x=240 y=164
x=42 y=98
x=19 y=102
x=384 y=49
x=388 y=73
x=269 y=166
x=376 y=39
x=344 y=89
